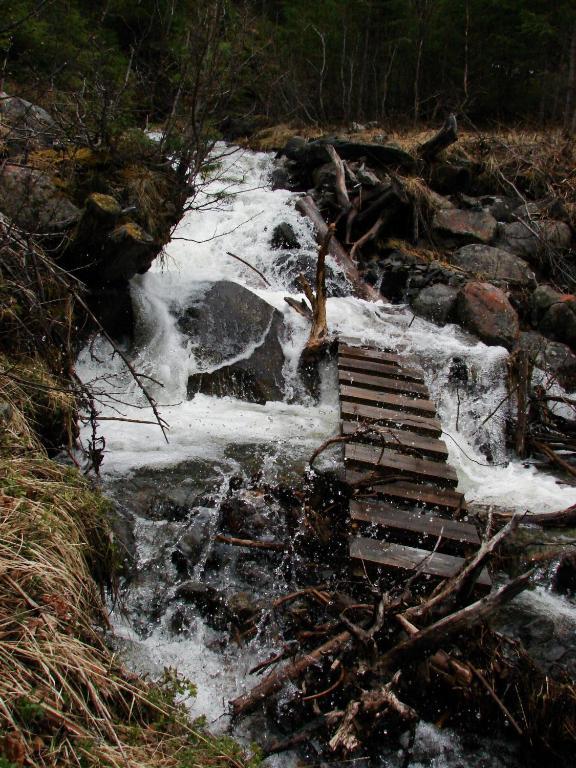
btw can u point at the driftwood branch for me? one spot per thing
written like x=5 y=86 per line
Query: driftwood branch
x=436 y=635
x=307 y=207
x=273 y=682
x=446 y=136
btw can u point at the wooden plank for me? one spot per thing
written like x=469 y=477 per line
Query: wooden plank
x=393 y=371
x=375 y=457
x=425 y=523
x=370 y=413
x=371 y=354
x=410 y=558
x=418 y=493
x=386 y=400
x=399 y=440
x=383 y=383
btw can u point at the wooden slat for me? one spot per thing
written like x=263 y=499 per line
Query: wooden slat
x=405 y=491
x=410 y=558
x=386 y=400
x=406 y=421
x=425 y=523
x=400 y=441
x=371 y=354
x=393 y=371
x=383 y=384
x=405 y=465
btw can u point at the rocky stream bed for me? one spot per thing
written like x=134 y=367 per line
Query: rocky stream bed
x=223 y=346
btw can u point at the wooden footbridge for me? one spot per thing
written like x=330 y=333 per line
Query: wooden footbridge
x=405 y=513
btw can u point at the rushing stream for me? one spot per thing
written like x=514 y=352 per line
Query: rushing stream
x=164 y=488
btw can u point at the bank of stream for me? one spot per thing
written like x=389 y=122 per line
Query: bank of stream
x=168 y=494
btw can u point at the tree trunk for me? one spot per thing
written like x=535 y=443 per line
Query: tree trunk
x=570 y=113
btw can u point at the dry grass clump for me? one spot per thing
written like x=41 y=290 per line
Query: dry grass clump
x=64 y=699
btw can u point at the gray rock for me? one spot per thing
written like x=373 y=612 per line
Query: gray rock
x=485 y=310
x=551 y=356
x=284 y=237
x=28 y=125
x=436 y=303
x=559 y=322
x=502 y=208
x=33 y=202
x=231 y=322
x=529 y=239
x=461 y=227
x=541 y=301
x=494 y=265
x=193 y=542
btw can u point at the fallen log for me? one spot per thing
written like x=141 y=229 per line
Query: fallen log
x=456 y=589
x=564 y=518
x=433 y=637
x=276 y=680
x=553 y=457
x=272 y=546
x=307 y=207
x=446 y=136
x=341 y=192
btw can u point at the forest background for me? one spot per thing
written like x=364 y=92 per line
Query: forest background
x=125 y=62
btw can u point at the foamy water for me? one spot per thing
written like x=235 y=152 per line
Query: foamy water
x=238 y=212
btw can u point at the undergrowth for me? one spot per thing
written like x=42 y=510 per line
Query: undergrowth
x=65 y=698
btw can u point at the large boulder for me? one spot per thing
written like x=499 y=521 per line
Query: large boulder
x=558 y=322
x=551 y=356
x=485 y=310
x=27 y=125
x=461 y=227
x=494 y=265
x=232 y=323
x=33 y=201
x=529 y=239
x=436 y=303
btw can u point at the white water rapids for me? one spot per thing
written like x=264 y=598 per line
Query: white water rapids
x=209 y=429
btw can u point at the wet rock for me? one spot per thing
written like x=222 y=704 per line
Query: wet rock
x=485 y=310
x=494 y=265
x=164 y=508
x=564 y=580
x=241 y=518
x=529 y=239
x=33 y=202
x=129 y=251
x=460 y=227
x=281 y=178
x=551 y=356
x=284 y=237
x=397 y=270
x=242 y=607
x=193 y=542
x=232 y=322
x=29 y=126
x=122 y=525
x=209 y=602
x=436 y=303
